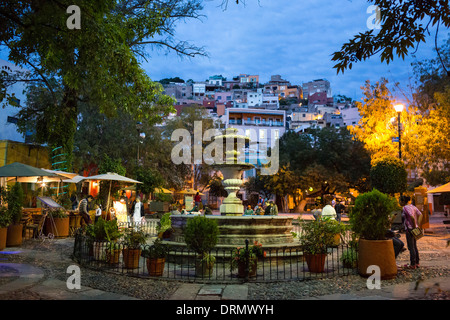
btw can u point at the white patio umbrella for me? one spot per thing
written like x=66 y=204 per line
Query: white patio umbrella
x=111 y=176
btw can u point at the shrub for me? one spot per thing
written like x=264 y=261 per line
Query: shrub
x=201 y=234
x=15 y=199
x=5 y=217
x=371 y=215
x=318 y=235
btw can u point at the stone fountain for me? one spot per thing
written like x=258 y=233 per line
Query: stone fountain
x=273 y=232
x=232 y=170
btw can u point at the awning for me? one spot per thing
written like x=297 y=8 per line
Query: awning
x=443 y=188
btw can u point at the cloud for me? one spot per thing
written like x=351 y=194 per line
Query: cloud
x=292 y=38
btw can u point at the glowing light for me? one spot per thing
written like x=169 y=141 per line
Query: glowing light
x=398 y=107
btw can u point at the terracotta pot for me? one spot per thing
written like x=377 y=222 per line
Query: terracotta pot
x=131 y=258
x=155 y=266
x=59 y=227
x=203 y=269
x=316 y=262
x=377 y=253
x=112 y=257
x=3 y=235
x=251 y=270
x=14 y=237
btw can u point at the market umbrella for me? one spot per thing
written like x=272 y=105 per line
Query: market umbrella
x=191 y=191
x=443 y=188
x=162 y=190
x=17 y=169
x=111 y=176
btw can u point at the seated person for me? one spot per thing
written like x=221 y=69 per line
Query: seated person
x=249 y=211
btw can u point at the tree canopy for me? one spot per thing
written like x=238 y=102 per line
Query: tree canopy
x=404 y=25
x=98 y=63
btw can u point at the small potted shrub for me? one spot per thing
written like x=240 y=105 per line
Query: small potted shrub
x=316 y=237
x=156 y=258
x=370 y=218
x=134 y=239
x=240 y=256
x=57 y=223
x=15 y=198
x=200 y=236
x=5 y=221
x=164 y=227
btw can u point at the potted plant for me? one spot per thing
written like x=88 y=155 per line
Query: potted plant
x=112 y=235
x=240 y=258
x=316 y=237
x=57 y=223
x=134 y=239
x=370 y=218
x=5 y=221
x=102 y=236
x=164 y=227
x=200 y=235
x=15 y=199
x=156 y=257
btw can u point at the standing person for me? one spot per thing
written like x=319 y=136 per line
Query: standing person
x=411 y=218
x=74 y=200
x=83 y=209
x=267 y=209
x=124 y=199
x=137 y=210
x=273 y=209
x=197 y=200
x=339 y=208
x=261 y=201
x=98 y=212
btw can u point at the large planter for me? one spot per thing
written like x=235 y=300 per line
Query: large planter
x=316 y=262
x=3 y=235
x=253 y=266
x=155 y=266
x=99 y=250
x=59 y=227
x=112 y=256
x=14 y=237
x=131 y=258
x=377 y=253
x=202 y=268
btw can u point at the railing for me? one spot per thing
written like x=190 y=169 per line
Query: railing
x=280 y=264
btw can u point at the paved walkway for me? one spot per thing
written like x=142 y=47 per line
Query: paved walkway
x=32 y=279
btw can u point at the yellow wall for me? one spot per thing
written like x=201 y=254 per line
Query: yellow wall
x=33 y=155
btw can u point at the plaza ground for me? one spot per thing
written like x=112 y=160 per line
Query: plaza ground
x=37 y=271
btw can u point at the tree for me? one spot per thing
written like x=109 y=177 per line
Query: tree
x=389 y=175
x=401 y=30
x=99 y=66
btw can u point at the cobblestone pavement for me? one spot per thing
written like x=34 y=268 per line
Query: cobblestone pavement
x=38 y=271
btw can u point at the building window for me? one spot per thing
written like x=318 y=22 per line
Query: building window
x=276 y=134
x=262 y=134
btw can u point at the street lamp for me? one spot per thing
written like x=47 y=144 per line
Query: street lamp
x=399 y=109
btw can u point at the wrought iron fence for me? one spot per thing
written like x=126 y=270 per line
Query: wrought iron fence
x=275 y=264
